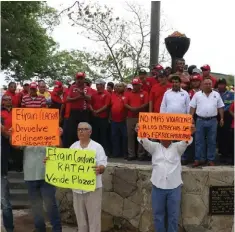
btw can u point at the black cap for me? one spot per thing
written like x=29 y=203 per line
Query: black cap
x=222 y=81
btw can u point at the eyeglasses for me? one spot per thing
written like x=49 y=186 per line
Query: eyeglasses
x=83 y=129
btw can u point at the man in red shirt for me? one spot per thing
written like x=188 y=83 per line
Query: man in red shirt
x=135 y=101
x=118 y=124
x=100 y=102
x=157 y=92
x=25 y=90
x=6 y=122
x=11 y=91
x=155 y=73
x=145 y=80
x=110 y=87
x=206 y=70
x=33 y=100
x=79 y=96
x=64 y=118
x=195 y=85
x=57 y=95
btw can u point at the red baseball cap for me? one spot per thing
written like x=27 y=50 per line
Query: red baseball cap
x=58 y=86
x=196 y=78
x=158 y=67
x=136 y=81
x=80 y=75
x=33 y=85
x=206 y=67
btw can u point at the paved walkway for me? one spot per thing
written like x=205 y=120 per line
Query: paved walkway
x=24 y=223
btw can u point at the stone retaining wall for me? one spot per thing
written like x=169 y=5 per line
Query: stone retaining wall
x=127 y=199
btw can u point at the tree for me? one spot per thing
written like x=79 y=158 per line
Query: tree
x=62 y=65
x=125 y=43
x=24 y=40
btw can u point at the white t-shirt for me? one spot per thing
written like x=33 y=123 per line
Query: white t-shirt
x=100 y=157
x=206 y=106
x=175 y=102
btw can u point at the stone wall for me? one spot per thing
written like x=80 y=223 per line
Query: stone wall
x=127 y=199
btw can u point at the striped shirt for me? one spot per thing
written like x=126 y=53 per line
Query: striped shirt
x=33 y=102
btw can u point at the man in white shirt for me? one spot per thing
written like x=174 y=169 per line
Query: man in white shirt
x=87 y=205
x=175 y=100
x=166 y=180
x=206 y=104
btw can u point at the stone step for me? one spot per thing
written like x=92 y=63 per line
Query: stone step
x=19 y=194
x=20 y=204
x=15 y=175
x=16 y=183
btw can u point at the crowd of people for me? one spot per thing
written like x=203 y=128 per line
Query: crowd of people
x=113 y=110
x=105 y=119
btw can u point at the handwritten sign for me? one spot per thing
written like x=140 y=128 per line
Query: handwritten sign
x=165 y=126
x=71 y=168
x=35 y=127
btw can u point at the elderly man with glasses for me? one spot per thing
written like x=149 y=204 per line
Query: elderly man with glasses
x=87 y=205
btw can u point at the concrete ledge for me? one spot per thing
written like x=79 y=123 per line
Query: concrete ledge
x=127 y=199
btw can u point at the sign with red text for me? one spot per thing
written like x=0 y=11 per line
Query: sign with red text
x=165 y=126
x=35 y=127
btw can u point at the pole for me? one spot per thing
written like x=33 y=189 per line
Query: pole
x=154 y=32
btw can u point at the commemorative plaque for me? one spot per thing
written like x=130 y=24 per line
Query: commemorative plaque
x=221 y=200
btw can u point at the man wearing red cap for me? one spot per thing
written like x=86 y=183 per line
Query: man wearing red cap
x=135 y=101
x=57 y=95
x=195 y=85
x=79 y=96
x=155 y=73
x=33 y=100
x=206 y=70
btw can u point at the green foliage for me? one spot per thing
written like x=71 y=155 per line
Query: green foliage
x=124 y=44
x=24 y=40
x=62 y=65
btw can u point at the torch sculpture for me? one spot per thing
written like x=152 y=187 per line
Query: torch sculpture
x=177 y=45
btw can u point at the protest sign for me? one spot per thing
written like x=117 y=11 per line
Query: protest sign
x=35 y=127
x=165 y=126
x=71 y=168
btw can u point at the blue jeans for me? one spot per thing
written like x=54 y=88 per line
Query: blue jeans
x=163 y=199
x=39 y=192
x=205 y=139
x=7 y=214
x=119 y=138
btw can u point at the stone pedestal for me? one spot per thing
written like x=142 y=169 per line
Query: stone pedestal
x=127 y=199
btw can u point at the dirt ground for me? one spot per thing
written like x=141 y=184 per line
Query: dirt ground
x=24 y=223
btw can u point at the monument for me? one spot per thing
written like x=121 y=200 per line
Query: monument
x=177 y=45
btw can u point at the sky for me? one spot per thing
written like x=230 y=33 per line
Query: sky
x=208 y=24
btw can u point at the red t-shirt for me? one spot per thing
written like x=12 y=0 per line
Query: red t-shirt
x=135 y=100
x=191 y=93
x=15 y=98
x=118 y=110
x=232 y=109
x=6 y=118
x=99 y=100
x=153 y=81
x=56 y=98
x=67 y=105
x=79 y=104
x=146 y=84
x=156 y=95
